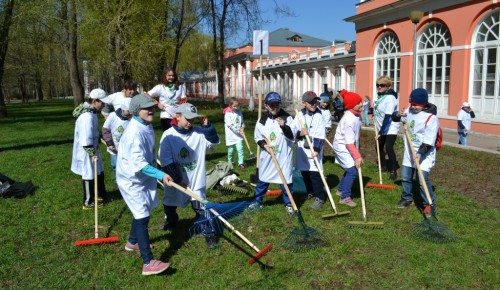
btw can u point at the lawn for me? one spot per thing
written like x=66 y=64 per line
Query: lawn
x=39 y=231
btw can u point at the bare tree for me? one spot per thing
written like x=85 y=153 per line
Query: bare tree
x=4 y=43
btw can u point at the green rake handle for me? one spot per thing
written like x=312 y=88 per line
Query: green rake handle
x=316 y=161
x=420 y=173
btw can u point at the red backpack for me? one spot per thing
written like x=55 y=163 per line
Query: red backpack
x=439 y=138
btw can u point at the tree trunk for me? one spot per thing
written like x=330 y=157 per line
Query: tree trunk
x=70 y=49
x=4 y=42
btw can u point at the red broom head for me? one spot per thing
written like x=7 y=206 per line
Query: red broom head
x=259 y=255
x=96 y=241
x=384 y=186
x=273 y=192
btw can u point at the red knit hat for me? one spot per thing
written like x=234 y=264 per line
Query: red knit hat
x=351 y=99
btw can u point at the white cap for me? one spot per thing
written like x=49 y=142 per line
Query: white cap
x=125 y=103
x=99 y=94
x=466 y=105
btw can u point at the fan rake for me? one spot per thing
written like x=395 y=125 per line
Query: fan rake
x=215 y=226
x=325 y=184
x=303 y=237
x=430 y=228
x=230 y=189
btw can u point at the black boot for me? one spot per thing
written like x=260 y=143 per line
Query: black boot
x=171 y=217
x=393 y=175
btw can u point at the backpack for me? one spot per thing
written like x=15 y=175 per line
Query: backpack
x=439 y=138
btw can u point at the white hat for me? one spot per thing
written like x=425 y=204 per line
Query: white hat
x=99 y=94
x=466 y=105
x=125 y=103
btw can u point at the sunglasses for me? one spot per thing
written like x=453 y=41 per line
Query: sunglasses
x=381 y=85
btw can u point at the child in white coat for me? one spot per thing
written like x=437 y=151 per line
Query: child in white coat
x=345 y=145
x=234 y=129
x=113 y=129
x=86 y=144
x=136 y=176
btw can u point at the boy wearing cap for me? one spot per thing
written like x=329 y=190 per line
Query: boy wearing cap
x=136 y=176
x=423 y=125
x=85 y=145
x=314 y=125
x=113 y=129
x=346 y=146
x=324 y=107
x=182 y=155
x=275 y=126
x=464 y=117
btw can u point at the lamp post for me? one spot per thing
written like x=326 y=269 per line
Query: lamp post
x=415 y=17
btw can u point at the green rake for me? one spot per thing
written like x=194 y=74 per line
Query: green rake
x=325 y=184
x=303 y=237
x=364 y=223
x=430 y=228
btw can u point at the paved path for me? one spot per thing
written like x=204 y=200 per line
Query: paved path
x=477 y=141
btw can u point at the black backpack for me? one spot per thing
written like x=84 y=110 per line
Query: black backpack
x=11 y=188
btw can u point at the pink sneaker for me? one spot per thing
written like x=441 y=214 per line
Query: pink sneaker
x=154 y=267
x=347 y=201
x=135 y=247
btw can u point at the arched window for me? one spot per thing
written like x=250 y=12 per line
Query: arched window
x=486 y=67
x=433 y=64
x=388 y=59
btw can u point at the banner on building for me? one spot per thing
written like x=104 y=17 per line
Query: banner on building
x=260 y=42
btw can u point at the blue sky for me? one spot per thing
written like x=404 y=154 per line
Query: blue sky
x=318 y=18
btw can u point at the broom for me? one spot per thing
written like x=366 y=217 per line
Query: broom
x=380 y=185
x=96 y=239
x=431 y=227
x=325 y=184
x=260 y=253
x=364 y=223
x=301 y=238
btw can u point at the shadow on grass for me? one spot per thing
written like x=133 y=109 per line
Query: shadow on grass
x=177 y=237
x=35 y=145
x=250 y=254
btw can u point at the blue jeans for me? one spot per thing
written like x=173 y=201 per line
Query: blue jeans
x=112 y=158
x=239 y=150
x=462 y=138
x=139 y=233
x=365 y=115
x=261 y=189
x=407 y=182
x=346 y=182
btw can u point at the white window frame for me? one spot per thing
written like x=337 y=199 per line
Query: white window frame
x=337 y=78
x=433 y=64
x=351 y=72
x=484 y=86
x=388 y=59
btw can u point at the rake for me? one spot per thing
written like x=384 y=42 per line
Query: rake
x=96 y=239
x=380 y=185
x=364 y=223
x=431 y=227
x=251 y=158
x=269 y=192
x=325 y=184
x=210 y=207
x=303 y=237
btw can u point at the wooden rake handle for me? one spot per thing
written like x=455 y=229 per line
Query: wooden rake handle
x=189 y=192
x=329 y=143
x=283 y=179
x=246 y=142
x=378 y=156
x=362 y=192
x=420 y=173
x=96 y=188
x=316 y=161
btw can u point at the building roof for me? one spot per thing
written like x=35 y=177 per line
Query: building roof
x=286 y=37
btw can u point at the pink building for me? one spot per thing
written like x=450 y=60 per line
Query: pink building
x=457 y=58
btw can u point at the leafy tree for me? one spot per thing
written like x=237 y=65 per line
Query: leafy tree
x=7 y=10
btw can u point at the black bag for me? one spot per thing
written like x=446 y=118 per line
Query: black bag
x=11 y=188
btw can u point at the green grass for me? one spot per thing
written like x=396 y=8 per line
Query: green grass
x=38 y=231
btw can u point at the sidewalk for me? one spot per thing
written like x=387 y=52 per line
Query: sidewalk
x=477 y=141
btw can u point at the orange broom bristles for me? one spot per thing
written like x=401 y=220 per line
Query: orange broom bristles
x=96 y=241
x=260 y=254
x=385 y=186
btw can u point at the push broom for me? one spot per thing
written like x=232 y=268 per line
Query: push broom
x=380 y=185
x=252 y=260
x=301 y=238
x=96 y=239
x=431 y=226
x=325 y=184
x=364 y=223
